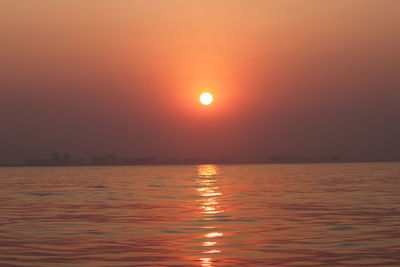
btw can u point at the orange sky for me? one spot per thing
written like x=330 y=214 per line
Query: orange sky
x=281 y=71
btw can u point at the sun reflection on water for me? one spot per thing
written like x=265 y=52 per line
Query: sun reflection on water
x=209 y=243
x=206 y=262
x=207 y=171
x=209 y=208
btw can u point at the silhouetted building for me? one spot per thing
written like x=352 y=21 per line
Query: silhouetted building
x=55 y=159
x=329 y=159
x=78 y=161
x=67 y=159
x=335 y=158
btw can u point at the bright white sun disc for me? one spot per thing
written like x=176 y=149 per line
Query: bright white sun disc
x=206 y=98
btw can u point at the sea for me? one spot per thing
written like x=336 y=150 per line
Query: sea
x=339 y=214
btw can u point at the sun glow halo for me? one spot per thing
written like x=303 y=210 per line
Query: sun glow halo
x=206 y=98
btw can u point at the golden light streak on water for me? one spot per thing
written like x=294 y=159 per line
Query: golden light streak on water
x=209 y=243
x=206 y=262
x=209 y=206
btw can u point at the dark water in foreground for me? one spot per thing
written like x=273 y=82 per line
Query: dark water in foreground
x=207 y=215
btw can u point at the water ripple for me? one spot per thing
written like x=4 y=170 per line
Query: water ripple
x=207 y=215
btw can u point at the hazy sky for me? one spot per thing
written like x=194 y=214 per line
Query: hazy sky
x=298 y=77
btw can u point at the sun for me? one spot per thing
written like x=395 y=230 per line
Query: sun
x=206 y=98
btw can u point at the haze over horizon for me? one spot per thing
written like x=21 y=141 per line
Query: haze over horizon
x=305 y=78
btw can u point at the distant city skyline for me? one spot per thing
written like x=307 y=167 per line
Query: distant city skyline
x=111 y=159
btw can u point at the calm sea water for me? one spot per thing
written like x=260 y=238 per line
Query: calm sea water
x=206 y=215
